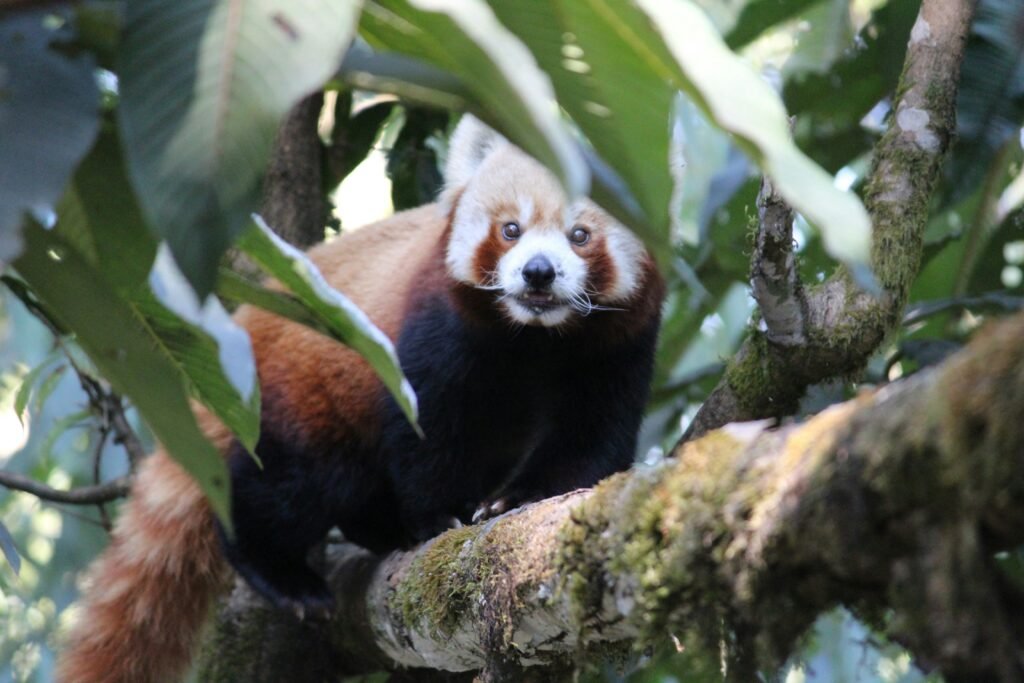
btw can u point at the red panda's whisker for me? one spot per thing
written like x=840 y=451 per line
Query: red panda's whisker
x=491 y=283
x=581 y=302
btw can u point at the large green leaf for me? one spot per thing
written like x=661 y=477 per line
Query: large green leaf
x=211 y=350
x=464 y=38
x=100 y=218
x=330 y=309
x=100 y=215
x=410 y=78
x=204 y=84
x=741 y=102
x=636 y=76
x=824 y=34
x=317 y=309
x=418 y=81
x=829 y=107
x=121 y=344
x=611 y=92
x=760 y=15
x=49 y=105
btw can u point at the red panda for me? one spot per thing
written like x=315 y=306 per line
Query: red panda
x=525 y=321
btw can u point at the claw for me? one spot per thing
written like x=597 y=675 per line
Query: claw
x=493 y=509
x=310 y=609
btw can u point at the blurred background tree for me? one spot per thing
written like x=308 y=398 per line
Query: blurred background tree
x=124 y=126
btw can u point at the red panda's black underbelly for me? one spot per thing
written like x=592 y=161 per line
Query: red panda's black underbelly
x=507 y=411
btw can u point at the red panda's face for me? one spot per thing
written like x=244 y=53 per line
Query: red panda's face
x=546 y=258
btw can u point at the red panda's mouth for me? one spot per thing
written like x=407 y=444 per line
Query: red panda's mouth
x=539 y=301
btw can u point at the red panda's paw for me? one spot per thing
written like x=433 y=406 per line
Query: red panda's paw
x=499 y=506
x=309 y=599
x=292 y=587
x=312 y=608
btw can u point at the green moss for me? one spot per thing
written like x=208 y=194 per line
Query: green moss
x=899 y=225
x=233 y=645
x=578 y=564
x=748 y=374
x=753 y=227
x=441 y=581
x=762 y=385
x=660 y=542
x=447 y=578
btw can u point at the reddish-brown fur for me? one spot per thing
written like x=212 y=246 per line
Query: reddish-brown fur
x=153 y=586
x=139 y=617
x=600 y=266
x=490 y=251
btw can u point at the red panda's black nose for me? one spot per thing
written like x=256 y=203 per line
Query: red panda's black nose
x=539 y=272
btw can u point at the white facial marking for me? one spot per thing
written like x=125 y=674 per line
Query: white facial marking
x=525 y=210
x=470 y=227
x=485 y=171
x=568 y=286
x=625 y=250
x=627 y=254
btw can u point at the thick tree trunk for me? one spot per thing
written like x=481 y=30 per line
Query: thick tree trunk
x=294 y=204
x=896 y=500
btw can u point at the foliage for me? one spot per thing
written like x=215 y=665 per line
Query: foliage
x=134 y=137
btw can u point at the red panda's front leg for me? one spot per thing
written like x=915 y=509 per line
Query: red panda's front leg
x=596 y=422
x=279 y=512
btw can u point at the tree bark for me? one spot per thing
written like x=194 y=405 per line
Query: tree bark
x=843 y=324
x=294 y=204
x=895 y=500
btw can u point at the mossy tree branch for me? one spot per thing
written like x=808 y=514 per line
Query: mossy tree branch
x=896 y=500
x=845 y=325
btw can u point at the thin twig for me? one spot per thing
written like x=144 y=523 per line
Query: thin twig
x=112 y=406
x=1002 y=301
x=108 y=407
x=85 y=495
x=97 y=461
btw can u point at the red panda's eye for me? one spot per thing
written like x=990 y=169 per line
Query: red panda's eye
x=511 y=231
x=579 y=236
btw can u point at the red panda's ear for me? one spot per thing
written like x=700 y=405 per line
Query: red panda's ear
x=470 y=144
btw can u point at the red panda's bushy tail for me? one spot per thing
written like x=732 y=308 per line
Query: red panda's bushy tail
x=152 y=587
